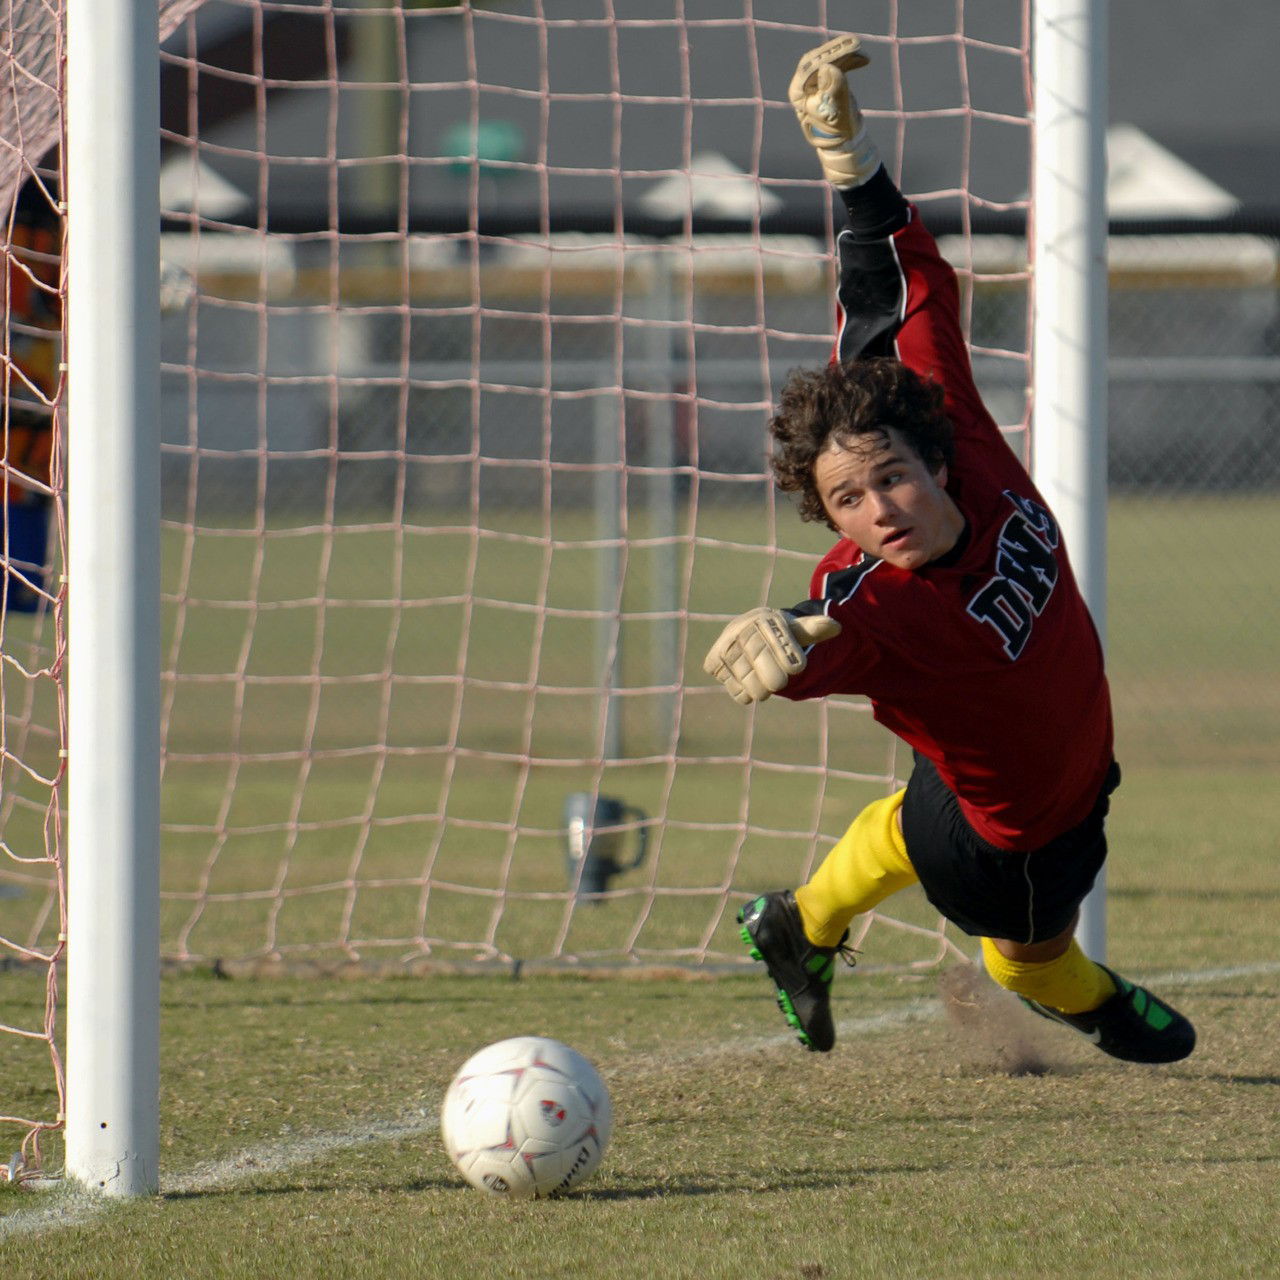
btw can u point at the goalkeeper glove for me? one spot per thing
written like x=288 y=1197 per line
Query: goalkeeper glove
x=829 y=115
x=759 y=651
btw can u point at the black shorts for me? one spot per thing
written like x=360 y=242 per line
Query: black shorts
x=990 y=892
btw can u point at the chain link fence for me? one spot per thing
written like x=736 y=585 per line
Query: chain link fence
x=337 y=404
x=535 y=379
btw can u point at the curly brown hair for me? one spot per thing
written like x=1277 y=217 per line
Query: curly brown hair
x=841 y=401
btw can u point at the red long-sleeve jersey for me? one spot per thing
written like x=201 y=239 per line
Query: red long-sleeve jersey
x=985 y=661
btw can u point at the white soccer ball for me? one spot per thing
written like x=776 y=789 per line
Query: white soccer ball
x=526 y=1118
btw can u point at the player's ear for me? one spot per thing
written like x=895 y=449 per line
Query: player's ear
x=940 y=475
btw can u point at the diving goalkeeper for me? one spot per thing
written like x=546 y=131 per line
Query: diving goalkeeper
x=949 y=602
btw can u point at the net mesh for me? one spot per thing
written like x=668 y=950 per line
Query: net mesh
x=472 y=320
x=32 y=646
x=463 y=474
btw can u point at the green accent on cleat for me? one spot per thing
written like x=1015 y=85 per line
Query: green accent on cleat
x=801 y=970
x=1132 y=1024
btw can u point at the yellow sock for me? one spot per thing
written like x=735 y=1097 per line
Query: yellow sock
x=867 y=864
x=1071 y=984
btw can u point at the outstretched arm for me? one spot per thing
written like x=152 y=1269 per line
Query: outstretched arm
x=896 y=295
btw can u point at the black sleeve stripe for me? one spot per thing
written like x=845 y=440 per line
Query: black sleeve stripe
x=839 y=586
x=872 y=297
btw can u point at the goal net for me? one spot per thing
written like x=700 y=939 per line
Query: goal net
x=32 y=640
x=472 y=319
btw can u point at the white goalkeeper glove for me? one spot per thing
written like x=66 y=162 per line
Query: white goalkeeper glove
x=829 y=115
x=759 y=651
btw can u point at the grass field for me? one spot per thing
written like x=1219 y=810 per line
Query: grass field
x=298 y=1116
x=299 y=1135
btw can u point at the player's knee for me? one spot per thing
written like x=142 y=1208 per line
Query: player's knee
x=1032 y=952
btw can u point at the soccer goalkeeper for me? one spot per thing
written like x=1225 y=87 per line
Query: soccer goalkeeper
x=949 y=602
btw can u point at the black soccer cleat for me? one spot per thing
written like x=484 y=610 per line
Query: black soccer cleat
x=1132 y=1024
x=801 y=970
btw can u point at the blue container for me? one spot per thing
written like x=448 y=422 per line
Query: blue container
x=28 y=531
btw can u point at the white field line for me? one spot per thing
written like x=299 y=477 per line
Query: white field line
x=72 y=1207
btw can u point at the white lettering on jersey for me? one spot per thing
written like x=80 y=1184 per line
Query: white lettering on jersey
x=1026 y=573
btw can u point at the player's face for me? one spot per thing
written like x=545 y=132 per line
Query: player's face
x=880 y=494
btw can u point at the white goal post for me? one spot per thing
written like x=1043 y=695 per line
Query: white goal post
x=1069 y=340
x=113 y=571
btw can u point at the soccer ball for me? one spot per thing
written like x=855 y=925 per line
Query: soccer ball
x=526 y=1118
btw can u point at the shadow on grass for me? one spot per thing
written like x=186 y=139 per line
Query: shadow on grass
x=1227 y=1078
x=800 y=1181
x=776 y=1183
x=1195 y=895
x=316 y=1186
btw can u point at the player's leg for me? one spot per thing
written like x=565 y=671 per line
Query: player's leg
x=1056 y=973
x=868 y=864
x=1058 y=981
x=798 y=935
